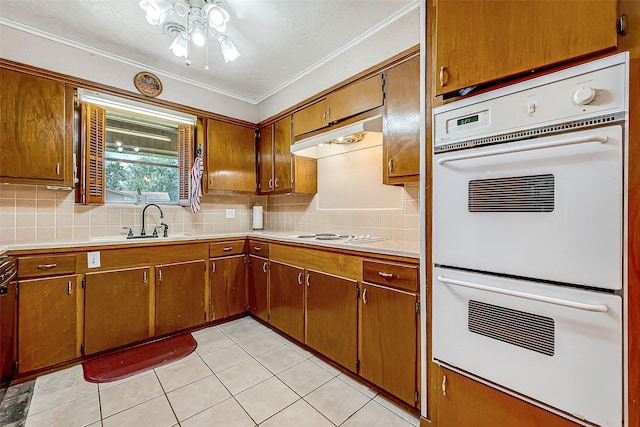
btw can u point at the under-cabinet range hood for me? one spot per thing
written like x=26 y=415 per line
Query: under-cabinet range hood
x=340 y=140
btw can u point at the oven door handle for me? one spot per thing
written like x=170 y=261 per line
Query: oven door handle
x=561 y=143
x=599 y=308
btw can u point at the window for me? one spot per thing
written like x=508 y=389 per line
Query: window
x=141 y=158
x=130 y=152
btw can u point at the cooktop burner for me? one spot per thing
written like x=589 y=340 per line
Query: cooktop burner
x=348 y=238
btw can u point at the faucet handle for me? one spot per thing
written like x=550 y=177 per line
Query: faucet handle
x=155 y=230
x=166 y=229
x=130 y=233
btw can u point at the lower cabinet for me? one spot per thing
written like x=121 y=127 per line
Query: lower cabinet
x=227 y=284
x=259 y=287
x=286 y=296
x=179 y=300
x=332 y=314
x=116 y=308
x=388 y=339
x=48 y=312
x=463 y=402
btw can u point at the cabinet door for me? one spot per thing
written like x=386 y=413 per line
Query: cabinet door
x=305 y=175
x=8 y=312
x=259 y=287
x=265 y=160
x=354 y=99
x=116 y=308
x=282 y=154
x=388 y=340
x=35 y=130
x=179 y=296
x=504 y=38
x=310 y=118
x=226 y=279
x=231 y=158
x=47 y=322
x=463 y=402
x=286 y=296
x=331 y=306
x=401 y=124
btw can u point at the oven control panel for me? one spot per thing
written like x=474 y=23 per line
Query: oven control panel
x=468 y=122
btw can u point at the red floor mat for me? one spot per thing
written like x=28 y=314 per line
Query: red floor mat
x=131 y=361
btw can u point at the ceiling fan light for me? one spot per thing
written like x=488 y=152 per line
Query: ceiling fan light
x=229 y=50
x=180 y=45
x=218 y=18
x=199 y=36
x=157 y=11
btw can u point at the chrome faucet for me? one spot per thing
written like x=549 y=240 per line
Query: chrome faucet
x=143 y=232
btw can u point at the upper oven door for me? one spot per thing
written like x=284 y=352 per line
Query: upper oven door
x=547 y=208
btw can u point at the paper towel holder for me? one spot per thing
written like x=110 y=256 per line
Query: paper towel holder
x=258 y=222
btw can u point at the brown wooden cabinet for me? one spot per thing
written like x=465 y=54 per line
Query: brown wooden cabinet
x=286 y=299
x=36 y=130
x=388 y=340
x=463 y=402
x=230 y=163
x=274 y=157
x=332 y=314
x=401 y=123
x=116 y=306
x=482 y=41
x=305 y=175
x=179 y=296
x=259 y=287
x=8 y=336
x=352 y=99
x=227 y=284
x=48 y=321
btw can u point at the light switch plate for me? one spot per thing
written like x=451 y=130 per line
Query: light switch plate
x=93 y=259
x=231 y=213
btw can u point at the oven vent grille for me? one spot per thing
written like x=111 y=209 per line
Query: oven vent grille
x=533 y=193
x=533 y=132
x=526 y=330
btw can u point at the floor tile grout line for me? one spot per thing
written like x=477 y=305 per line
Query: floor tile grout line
x=359 y=409
x=167 y=397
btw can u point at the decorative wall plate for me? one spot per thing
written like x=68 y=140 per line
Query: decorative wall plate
x=147 y=84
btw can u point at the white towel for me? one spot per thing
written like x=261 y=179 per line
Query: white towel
x=196 y=184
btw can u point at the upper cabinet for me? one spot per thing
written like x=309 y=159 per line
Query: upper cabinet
x=401 y=123
x=36 y=130
x=274 y=157
x=230 y=162
x=349 y=101
x=483 y=41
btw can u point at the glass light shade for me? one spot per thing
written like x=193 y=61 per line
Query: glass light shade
x=199 y=36
x=218 y=18
x=157 y=11
x=180 y=45
x=229 y=51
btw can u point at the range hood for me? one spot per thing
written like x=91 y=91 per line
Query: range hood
x=340 y=140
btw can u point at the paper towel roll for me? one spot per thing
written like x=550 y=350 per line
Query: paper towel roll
x=257 y=218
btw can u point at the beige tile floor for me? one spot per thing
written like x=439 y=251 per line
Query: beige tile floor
x=241 y=374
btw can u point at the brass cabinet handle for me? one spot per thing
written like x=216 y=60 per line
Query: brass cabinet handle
x=308 y=276
x=69 y=287
x=264 y=267
x=364 y=296
x=444 y=76
x=213 y=267
x=277 y=183
x=385 y=275
x=47 y=266
x=57 y=168
x=257 y=249
x=444 y=385
x=160 y=275
x=300 y=278
x=271 y=183
x=227 y=249
x=390 y=165
x=144 y=277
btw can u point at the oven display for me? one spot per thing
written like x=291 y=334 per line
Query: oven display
x=467 y=120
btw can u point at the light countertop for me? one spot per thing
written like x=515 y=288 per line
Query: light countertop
x=386 y=247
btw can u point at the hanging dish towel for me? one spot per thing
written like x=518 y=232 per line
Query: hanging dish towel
x=196 y=184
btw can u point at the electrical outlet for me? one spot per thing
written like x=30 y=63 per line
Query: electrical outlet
x=93 y=259
x=231 y=213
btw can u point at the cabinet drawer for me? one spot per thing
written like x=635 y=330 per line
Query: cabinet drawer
x=235 y=247
x=46 y=265
x=259 y=248
x=400 y=276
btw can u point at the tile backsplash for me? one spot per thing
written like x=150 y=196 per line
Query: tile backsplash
x=36 y=215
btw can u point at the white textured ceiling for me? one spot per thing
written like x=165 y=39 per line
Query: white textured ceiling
x=279 y=39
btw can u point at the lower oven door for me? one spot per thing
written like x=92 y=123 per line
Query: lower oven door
x=557 y=345
x=546 y=208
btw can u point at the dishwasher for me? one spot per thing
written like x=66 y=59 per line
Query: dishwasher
x=8 y=314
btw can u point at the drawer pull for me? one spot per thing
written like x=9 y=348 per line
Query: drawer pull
x=385 y=275
x=46 y=266
x=257 y=249
x=228 y=248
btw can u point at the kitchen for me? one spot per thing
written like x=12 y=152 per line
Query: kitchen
x=283 y=213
